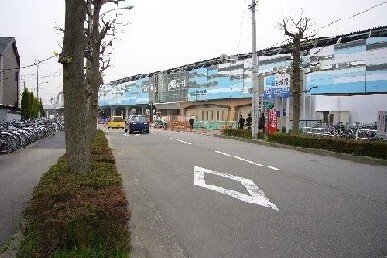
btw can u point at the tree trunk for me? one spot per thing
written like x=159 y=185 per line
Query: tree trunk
x=74 y=87
x=94 y=74
x=296 y=87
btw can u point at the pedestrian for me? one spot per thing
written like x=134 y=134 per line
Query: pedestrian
x=261 y=123
x=241 y=122
x=191 y=123
x=249 y=120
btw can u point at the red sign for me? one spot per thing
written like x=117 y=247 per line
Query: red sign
x=272 y=121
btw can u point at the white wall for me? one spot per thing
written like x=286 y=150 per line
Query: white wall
x=6 y=116
x=363 y=108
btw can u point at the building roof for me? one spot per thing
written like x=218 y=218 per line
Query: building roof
x=6 y=43
x=284 y=49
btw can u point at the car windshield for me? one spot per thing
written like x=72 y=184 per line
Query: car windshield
x=117 y=119
x=139 y=119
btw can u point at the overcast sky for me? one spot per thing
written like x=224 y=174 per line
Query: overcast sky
x=162 y=34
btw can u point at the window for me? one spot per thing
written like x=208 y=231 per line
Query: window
x=117 y=119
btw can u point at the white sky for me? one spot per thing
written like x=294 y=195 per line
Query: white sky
x=162 y=34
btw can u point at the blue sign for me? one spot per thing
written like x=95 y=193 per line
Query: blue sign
x=277 y=86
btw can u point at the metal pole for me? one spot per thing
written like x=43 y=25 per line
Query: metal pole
x=255 y=89
x=37 y=78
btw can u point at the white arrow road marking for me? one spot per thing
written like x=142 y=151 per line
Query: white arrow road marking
x=256 y=196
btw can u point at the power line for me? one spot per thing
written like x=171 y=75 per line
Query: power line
x=351 y=17
x=240 y=28
x=49 y=75
x=335 y=21
x=27 y=66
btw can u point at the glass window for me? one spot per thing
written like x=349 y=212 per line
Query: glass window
x=139 y=119
x=117 y=119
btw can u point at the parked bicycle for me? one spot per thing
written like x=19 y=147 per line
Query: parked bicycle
x=19 y=134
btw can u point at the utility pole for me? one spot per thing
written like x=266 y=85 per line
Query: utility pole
x=37 y=78
x=255 y=89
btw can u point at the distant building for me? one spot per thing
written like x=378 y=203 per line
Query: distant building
x=9 y=79
x=55 y=110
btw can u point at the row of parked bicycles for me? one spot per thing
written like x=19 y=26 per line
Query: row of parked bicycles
x=357 y=132
x=19 y=134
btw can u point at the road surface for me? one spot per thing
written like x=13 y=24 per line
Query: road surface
x=201 y=196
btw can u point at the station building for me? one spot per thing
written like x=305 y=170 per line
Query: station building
x=344 y=80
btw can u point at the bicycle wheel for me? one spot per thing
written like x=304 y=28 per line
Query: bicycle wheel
x=8 y=143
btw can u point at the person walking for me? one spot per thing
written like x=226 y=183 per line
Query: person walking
x=241 y=122
x=261 y=123
x=191 y=123
x=249 y=120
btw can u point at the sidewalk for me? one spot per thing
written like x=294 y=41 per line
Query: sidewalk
x=20 y=173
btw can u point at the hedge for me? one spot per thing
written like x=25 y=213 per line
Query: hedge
x=374 y=149
x=78 y=215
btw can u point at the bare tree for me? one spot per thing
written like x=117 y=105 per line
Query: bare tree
x=80 y=89
x=297 y=31
x=97 y=46
x=74 y=87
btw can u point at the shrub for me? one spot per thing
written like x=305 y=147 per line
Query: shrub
x=242 y=133
x=78 y=215
x=374 y=149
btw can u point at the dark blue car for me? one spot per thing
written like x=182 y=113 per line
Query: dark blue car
x=137 y=123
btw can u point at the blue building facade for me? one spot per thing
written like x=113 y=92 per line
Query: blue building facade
x=339 y=67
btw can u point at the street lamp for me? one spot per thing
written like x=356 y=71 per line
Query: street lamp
x=129 y=7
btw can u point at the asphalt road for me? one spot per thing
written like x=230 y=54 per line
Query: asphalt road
x=201 y=196
x=20 y=171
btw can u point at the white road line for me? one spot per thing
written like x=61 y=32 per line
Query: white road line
x=223 y=153
x=237 y=157
x=253 y=163
x=248 y=161
x=183 y=141
x=256 y=196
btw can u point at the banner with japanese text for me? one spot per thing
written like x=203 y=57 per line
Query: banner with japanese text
x=277 y=86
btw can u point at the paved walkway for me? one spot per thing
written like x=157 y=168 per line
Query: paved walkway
x=20 y=173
